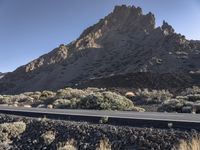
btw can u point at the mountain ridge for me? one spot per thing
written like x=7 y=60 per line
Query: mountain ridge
x=125 y=41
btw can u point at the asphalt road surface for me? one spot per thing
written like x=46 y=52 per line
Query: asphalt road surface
x=177 y=117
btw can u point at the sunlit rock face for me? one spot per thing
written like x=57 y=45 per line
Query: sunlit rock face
x=125 y=41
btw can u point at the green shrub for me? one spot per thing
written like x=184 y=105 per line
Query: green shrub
x=47 y=94
x=64 y=103
x=180 y=105
x=104 y=120
x=11 y=130
x=105 y=101
x=173 y=105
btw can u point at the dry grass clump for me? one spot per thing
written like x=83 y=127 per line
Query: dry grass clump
x=104 y=144
x=48 y=137
x=194 y=144
x=69 y=145
x=11 y=130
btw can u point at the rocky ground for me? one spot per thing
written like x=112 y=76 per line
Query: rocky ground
x=62 y=135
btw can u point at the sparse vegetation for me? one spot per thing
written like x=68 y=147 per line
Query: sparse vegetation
x=187 y=101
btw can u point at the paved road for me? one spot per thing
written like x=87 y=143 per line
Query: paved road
x=190 y=118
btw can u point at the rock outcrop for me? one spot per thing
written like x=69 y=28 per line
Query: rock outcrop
x=126 y=41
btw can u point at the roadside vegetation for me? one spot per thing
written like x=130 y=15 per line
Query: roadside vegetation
x=186 y=101
x=68 y=98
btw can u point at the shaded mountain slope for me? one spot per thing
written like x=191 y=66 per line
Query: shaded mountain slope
x=124 y=42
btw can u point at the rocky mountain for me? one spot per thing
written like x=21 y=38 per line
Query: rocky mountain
x=123 y=49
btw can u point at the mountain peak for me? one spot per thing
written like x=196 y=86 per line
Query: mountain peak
x=124 y=42
x=123 y=9
x=124 y=20
x=168 y=29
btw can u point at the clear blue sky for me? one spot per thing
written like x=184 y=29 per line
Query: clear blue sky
x=30 y=28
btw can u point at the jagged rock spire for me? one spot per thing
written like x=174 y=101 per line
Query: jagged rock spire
x=168 y=29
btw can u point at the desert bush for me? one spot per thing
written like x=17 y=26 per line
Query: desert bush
x=11 y=130
x=105 y=101
x=64 y=103
x=48 y=137
x=180 y=105
x=47 y=94
x=154 y=96
x=26 y=100
x=173 y=105
x=191 y=91
x=12 y=99
x=69 y=145
x=6 y=100
x=104 y=144
x=182 y=97
x=92 y=98
x=69 y=93
x=35 y=95
x=138 y=109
